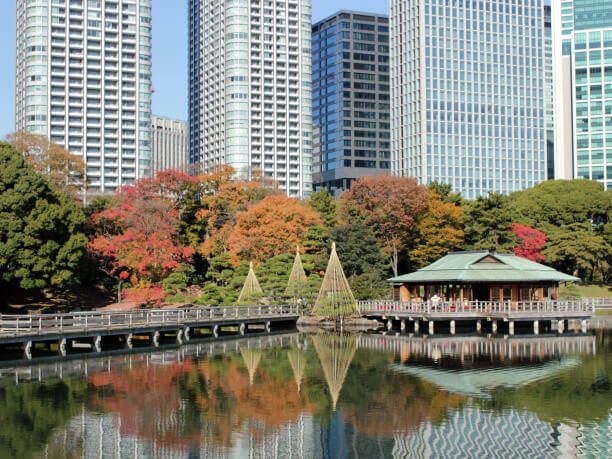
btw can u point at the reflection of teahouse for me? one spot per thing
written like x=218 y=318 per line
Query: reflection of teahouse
x=480 y=276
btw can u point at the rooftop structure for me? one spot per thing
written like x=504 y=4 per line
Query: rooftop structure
x=481 y=276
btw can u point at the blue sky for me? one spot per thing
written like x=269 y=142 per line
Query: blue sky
x=169 y=53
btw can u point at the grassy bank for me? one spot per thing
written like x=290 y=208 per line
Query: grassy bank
x=585 y=291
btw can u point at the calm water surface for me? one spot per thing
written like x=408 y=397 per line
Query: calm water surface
x=318 y=395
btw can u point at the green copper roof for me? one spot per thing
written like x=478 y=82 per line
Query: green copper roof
x=483 y=266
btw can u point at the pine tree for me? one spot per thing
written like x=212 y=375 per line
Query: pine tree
x=335 y=298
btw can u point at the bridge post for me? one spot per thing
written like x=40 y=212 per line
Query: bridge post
x=215 y=331
x=536 y=327
x=479 y=326
x=416 y=325
x=389 y=324
x=452 y=327
x=242 y=328
x=186 y=332
x=179 y=336
x=61 y=346
x=27 y=350
x=156 y=339
x=583 y=326
x=431 y=327
x=403 y=325
x=128 y=341
x=494 y=326
x=560 y=326
x=268 y=326
x=511 y=327
x=98 y=344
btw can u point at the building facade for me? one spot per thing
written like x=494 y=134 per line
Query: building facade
x=582 y=36
x=169 y=141
x=468 y=93
x=250 y=80
x=351 y=111
x=83 y=79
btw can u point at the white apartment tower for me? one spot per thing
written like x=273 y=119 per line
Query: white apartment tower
x=83 y=79
x=250 y=83
x=169 y=139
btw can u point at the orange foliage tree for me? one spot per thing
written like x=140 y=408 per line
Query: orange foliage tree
x=437 y=231
x=389 y=204
x=63 y=169
x=269 y=227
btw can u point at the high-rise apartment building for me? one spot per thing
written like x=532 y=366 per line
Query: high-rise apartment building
x=582 y=35
x=351 y=111
x=83 y=79
x=250 y=82
x=169 y=139
x=468 y=93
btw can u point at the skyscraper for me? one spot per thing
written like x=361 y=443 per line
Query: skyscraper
x=250 y=81
x=468 y=93
x=582 y=36
x=83 y=79
x=350 y=68
x=169 y=139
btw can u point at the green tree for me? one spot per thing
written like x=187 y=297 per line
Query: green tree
x=487 y=223
x=324 y=203
x=359 y=250
x=42 y=242
x=445 y=191
x=575 y=215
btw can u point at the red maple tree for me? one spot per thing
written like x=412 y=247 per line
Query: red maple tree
x=531 y=242
x=137 y=236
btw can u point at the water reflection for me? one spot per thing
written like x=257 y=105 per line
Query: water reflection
x=322 y=395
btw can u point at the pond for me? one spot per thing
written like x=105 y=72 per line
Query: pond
x=317 y=395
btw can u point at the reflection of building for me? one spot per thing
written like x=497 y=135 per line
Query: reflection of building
x=169 y=144
x=479 y=433
x=83 y=80
x=481 y=276
x=350 y=98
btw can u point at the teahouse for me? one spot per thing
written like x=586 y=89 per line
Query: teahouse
x=480 y=276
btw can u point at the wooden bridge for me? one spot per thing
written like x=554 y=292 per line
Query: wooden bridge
x=90 y=329
x=490 y=312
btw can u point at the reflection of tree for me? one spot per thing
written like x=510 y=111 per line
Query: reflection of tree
x=580 y=395
x=182 y=404
x=335 y=353
x=402 y=406
x=30 y=412
x=251 y=361
x=298 y=363
x=148 y=400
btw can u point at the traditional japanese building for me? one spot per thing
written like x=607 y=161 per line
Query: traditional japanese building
x=481 y=276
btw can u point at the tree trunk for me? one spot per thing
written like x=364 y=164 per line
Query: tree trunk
x=394 y=259
x=119 y=291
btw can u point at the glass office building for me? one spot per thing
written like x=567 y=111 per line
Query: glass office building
x=351 y=111
x=83 y=79
x=583 y=69
x=468 y=93
x=250 y=89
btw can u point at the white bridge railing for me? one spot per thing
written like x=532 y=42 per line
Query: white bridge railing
x=563 y=307
x=84 y=321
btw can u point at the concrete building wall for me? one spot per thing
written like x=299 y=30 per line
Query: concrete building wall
x=251 y=89
x=170 y=140
x=83 y=79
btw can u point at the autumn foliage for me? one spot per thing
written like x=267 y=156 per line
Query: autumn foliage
x=270 y=227
x=531 y=242
x=389 y=204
